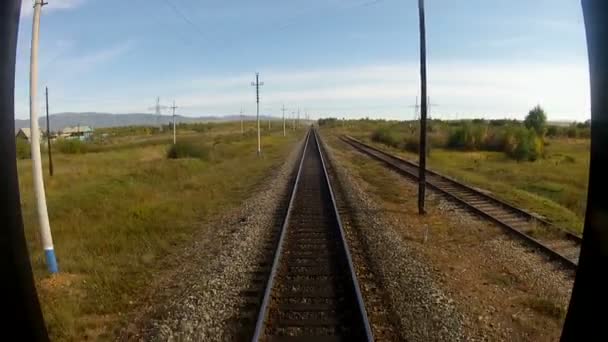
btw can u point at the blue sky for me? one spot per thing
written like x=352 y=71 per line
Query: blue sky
x=346 y=58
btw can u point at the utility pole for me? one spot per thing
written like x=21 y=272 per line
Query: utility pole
x=48 y=132
x=257 y=85
x=174 y=134
x=298 y=121
x=423 y=110
x=157 y=110
x=242 y=131
x=283 y=109
x=412 y=125
x=43 y=215
x=160 y=124
x=293 y=116
x=430 y=105
x=416 y=107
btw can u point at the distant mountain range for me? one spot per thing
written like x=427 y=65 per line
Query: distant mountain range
x=100 y=120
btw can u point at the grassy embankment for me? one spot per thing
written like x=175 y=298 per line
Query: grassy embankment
x=117 y=212
x=554 y=186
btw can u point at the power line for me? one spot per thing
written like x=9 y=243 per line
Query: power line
x=184 y=17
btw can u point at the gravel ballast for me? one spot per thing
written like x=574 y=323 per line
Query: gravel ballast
x=199 y=299
x=423 y=311
x=448 y=275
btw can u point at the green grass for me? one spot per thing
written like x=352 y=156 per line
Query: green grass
x=547 y=307
x=116 y=214
x=554 y=187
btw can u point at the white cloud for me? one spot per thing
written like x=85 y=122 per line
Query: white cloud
x=27 y=7
x=65 y=69
x=459 y=89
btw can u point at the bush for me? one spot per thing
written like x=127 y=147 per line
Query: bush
x=468 y=137
x=23 y=149
x=185 y=149
x=331 y=122
x=536 y=120
x=517 y=142
x=386 y=136
x=523 y=144
x=71 y=146
x=412 y=144
x=552 y=131
x=585 y=133
x=199 y=127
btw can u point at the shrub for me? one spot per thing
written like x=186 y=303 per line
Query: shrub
x=331 y=122
x=523 y=144
x=536 y=120
x=71 y=146
x=23 y=149
x=552 y=131
x=412 y=144
x=200 y=127
x=184 y=149
x=495 y=140
x=386 y=136
x=468 y=137
x=585 y=133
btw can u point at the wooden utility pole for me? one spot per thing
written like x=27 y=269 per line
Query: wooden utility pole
x=48 y=132
x=283 y=109
x=174 y=129
x=257 y=85
x=242 y=131
x=423 y=112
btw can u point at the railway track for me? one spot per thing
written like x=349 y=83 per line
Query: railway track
x=556 y=243
x=312 y=293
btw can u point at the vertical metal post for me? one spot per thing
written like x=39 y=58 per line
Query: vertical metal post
x=43 y=215
x=423 y=112
x=48 y=132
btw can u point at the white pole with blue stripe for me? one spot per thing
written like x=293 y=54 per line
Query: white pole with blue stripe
x=43 y=215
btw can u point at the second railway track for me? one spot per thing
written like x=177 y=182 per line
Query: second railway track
x=312 y=293
x=558 y=244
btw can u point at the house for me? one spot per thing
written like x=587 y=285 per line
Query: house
x=76 y=132
x=26 y=133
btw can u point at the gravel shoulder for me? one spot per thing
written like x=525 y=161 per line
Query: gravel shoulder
x=448 y=275
x=199 y=296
